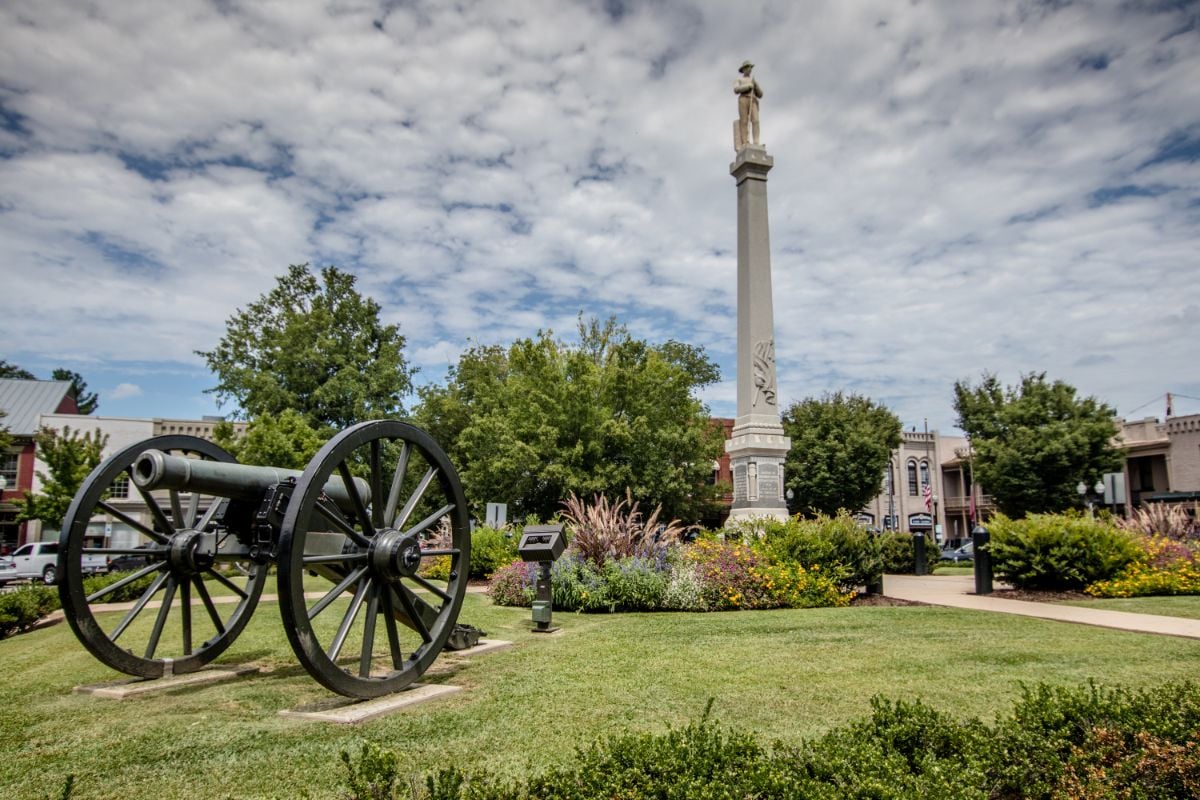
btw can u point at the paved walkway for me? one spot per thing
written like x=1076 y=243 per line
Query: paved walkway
x=958 y=591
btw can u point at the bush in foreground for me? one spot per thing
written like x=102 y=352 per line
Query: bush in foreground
x=21 y=608
x=1057 y=743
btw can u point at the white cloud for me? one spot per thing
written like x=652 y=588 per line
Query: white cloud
x=123 y=391
x=488 y=169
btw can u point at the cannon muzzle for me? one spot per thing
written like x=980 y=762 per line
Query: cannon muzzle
x=154 y=469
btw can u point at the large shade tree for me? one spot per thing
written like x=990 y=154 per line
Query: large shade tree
x=530 y=423
x=841 y=445
x=1034 y=442
x=313 y=345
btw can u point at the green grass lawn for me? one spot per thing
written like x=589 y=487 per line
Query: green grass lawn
x=1188 y=606
x=949 y=568
x=783 y=674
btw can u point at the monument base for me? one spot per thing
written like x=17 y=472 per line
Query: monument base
x=756 y=454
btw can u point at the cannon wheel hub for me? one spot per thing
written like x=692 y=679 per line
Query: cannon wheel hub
x=187 y=555
x=394 y=554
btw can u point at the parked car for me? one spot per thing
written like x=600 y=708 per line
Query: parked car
x=129 y=561
x=8 y=570
x=957 y=554
x=39 y=561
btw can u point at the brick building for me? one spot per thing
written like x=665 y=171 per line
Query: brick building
x=24 y=402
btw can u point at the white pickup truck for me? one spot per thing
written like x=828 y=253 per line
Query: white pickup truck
x=39 y=561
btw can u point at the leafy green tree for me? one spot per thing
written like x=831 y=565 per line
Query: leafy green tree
x=841 y=445
x=314 y=345
x=286 y=440
x=531 y=423
x=87 y=402
x=1034 y=442
x=6 y=438
x=8 y=370
x=69 y=457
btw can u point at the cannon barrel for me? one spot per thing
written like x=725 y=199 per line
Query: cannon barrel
x=154 y=469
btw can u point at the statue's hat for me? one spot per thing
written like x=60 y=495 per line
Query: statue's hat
x=746 y=63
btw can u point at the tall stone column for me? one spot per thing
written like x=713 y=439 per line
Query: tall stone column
x=757 y=447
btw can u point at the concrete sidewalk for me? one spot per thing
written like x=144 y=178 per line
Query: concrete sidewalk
x=957 y=591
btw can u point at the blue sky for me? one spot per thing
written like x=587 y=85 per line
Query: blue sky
x=958 y=187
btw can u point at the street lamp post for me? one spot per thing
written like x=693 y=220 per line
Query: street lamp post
x=937 y=533
x=1085 y=493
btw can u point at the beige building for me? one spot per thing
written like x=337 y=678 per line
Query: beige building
x=1162 y=465
x=942 y=464
x=121 y=433
x=1162 y=460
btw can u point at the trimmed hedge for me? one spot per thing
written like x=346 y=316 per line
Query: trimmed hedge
x=1084 y=742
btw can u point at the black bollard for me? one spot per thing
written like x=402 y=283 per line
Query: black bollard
x=919 y=567
x=983 y=560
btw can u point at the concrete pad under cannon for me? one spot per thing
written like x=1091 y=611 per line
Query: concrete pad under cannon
x=133 y=687
x=345 y=711
x=484 y=647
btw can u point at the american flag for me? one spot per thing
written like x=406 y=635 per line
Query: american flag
x=927 y=493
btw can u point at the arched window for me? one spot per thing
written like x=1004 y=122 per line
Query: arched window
x=924 y=472
x=913 y=491
x=887 y=480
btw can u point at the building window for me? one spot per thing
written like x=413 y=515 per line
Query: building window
x=119 y=488
x=913 y=491
x=8 y=469
x=887 y=480
x=924 y=473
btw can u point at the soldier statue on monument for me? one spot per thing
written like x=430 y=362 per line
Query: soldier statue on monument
x=748 y=92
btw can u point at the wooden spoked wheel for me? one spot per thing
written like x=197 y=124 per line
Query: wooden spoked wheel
x=191 y=595
x=398 y=559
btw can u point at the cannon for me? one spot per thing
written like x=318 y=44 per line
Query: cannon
x=370 y=544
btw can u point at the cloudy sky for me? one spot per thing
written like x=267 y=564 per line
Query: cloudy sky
x=958 y=187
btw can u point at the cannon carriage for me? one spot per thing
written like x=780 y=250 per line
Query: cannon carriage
x=351 y=540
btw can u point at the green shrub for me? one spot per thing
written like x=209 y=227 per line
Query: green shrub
x=491 y=549
x=843 y=548
x=1058 y=551
x=899 y=555
x=1048 y=740
x=128 y=592
x=21 y=608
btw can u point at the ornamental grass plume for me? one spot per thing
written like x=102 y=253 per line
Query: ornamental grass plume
x=1159 y=519
x=602 y=530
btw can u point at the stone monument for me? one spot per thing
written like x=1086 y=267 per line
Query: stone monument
x=758 y=446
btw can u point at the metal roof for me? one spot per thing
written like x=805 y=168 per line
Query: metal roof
x=24 y=401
